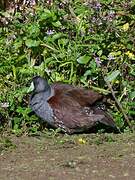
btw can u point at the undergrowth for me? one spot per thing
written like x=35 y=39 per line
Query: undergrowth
x=86 y=43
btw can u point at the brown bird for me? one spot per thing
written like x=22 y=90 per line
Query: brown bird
x=72 y=109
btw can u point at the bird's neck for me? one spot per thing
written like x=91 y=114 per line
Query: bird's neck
x=49 y=93
x=43 y=95
x=39 y=104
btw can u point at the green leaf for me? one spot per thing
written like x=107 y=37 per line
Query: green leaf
x=58 y=36
x=46 y=14
x=57 y=23
x=32 y=43
x=112 y=76
x=18 y=44
x=132 y=95
x=131 y=112
x=33 y=30
x=87 y=73
x=99 y=53
x=83 y=59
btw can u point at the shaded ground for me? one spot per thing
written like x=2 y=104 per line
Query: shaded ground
x=88 y=157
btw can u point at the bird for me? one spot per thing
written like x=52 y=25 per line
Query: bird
x=72 y=109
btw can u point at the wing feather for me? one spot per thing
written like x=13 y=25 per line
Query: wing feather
x=70 y=115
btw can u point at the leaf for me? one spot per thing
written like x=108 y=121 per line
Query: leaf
x=45 y=15
x=32 y=43
x=56 y=24
x=18 y=44
x=99 y=53
x=112 y=76
x=131 y=112
x=87 y=73
x=58 y=36
x=14 y=72
x=132 y=95
x=33 y=30
x=83 y=59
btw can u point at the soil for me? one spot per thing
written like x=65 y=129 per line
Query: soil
x=76 y=157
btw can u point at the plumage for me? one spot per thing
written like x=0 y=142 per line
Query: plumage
x=70 y=108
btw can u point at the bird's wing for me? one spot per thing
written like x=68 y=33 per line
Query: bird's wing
x=71 y=116
x=84 y=97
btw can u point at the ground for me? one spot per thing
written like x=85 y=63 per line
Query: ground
x=76 y=157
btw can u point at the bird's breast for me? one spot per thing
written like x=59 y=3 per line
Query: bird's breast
x=42 y=109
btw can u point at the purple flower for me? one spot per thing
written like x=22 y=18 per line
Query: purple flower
x=90 y=30
x=95 y=5
x=50 y=32
x=33 y=2
x=96 y=21
x=93 y=20
x=111 y=15
x=98 y=61
x=62 y=5
x=111 y=57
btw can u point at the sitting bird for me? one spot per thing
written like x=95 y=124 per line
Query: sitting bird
x=72 y=109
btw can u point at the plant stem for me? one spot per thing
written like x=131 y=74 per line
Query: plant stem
x=118 y=103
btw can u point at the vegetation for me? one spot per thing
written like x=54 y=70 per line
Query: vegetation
x=88 y=43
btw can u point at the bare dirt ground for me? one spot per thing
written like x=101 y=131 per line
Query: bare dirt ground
x=78 y=157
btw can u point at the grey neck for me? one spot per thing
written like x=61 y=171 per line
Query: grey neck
x=46 y=95
x=49 y=93
x=39 y=104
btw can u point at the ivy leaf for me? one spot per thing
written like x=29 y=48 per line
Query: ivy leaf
x=112 y=76
x=83 y=59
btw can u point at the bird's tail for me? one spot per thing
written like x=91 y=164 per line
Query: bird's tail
x=106 y=119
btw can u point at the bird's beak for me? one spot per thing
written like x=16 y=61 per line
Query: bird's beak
x=31 y=88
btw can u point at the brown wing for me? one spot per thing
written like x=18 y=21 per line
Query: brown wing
x=83 y=96
x=70 y=115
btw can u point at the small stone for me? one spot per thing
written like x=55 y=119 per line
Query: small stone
x=126 y=174
x=95 y=171
x=77 y=169
x=112 y=176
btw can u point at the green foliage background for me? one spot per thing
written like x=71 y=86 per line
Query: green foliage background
x=78 y=42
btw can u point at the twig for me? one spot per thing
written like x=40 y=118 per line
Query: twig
x=118 y=103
